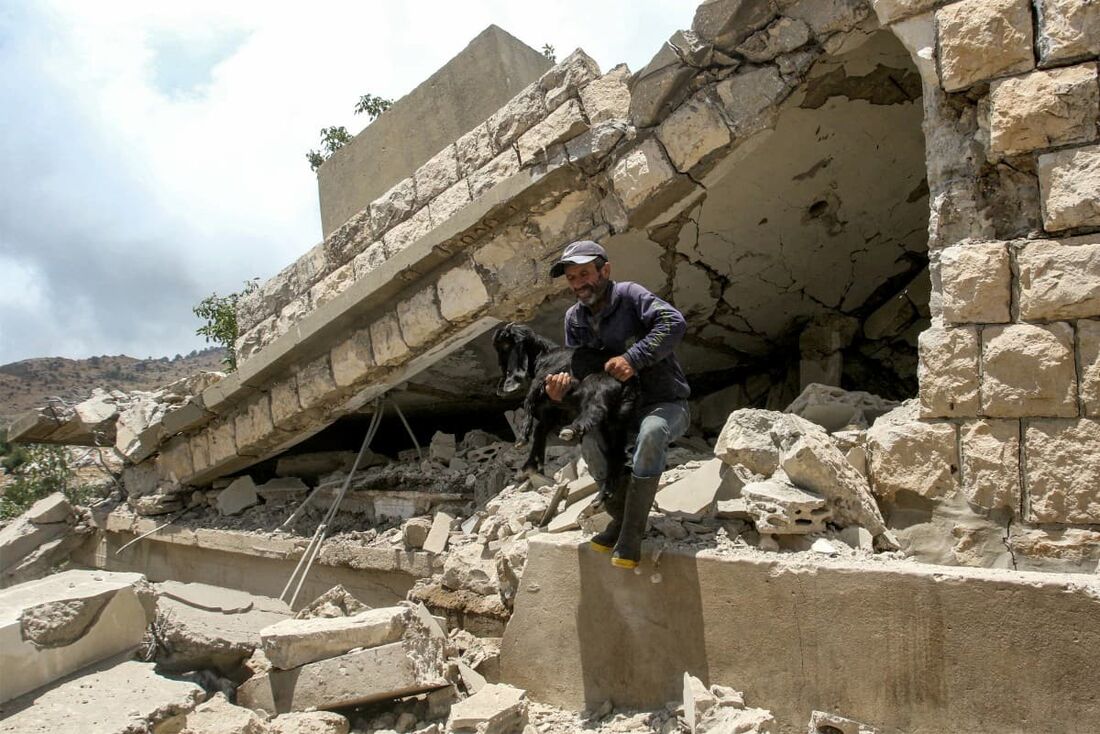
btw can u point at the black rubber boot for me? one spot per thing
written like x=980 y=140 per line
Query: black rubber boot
x=613 y=504
x=639 y=499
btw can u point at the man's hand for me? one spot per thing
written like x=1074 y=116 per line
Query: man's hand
x=619 y=368
x=558 y=385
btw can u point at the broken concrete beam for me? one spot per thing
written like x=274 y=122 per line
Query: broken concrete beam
x=375 y=674
x=238 y=496
x=833 y=408
x=495 y=709
x=37 y=425
x=294 y=642
x=195 y=631
x=186 y=417
x=693 y=497
x=779 y=507
x=436 y=542
x=121 y=699
x=415 y=531
x=21 y=537
x=51 y=509
x=56 y=625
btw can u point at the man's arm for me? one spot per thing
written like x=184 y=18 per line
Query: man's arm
x=666 y=328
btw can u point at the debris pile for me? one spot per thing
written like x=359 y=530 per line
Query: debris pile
x=40 y=539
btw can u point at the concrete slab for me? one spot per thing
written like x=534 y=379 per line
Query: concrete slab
x=238 y=496
x=56 y=625
x=926 y=648
x=570 y=517
x=495 y=708
x=374 y=674
x=436 y=541
x=205 y=596
x=694 y=496
x=294 y=642
x=124 y=698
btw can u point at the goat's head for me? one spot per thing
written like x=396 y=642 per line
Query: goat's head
x=514 y=345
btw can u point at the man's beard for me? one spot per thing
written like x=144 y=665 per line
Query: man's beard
x=591 y=296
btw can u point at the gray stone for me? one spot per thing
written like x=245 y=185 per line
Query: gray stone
x=495 y=709
x=727 y=23
x=238 y=496
x=779 y=507
x=782 y=36
x=749 y=99
x=1068 y=182
x=695 y=495
x=436 y=542
x=473 y=568
x=294 y=642
x=565 y=79
x=664 y=82
x=812 y=462
x=53 y=508
x=833 y=408
x=1068 y=29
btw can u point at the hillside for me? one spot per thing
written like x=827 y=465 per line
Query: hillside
x=26 y=384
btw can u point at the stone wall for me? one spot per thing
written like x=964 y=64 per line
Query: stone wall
x=1007 y=427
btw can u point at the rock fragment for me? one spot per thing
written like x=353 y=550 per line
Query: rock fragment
x=495 y=709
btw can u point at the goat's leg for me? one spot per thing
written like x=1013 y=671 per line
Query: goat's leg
x=536 y=459
x=594 y=412
x=527 y=424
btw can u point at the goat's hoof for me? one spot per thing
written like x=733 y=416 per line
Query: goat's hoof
x=520 y=443
x=568 y=435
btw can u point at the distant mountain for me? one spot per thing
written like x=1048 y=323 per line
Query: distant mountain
x=27 y=384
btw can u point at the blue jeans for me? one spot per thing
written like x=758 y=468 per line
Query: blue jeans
x=661 y=424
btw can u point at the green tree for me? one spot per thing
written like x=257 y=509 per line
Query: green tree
x=45 y=471
x=335 y=138
x=549 y=52
x=220 y=316
x=12 y=456
x=373 y=105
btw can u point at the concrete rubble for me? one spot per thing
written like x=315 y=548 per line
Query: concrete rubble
x=40 y=539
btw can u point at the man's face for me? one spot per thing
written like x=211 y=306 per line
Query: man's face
x=588 y=283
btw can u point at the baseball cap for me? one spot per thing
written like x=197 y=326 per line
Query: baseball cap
x=577 y=253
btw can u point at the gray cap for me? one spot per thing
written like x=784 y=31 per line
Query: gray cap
x=577 y=253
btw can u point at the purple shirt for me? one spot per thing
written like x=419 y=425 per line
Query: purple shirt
x=643 y=328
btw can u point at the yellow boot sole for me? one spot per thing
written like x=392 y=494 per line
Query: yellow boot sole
x=623 y=563
x=600 y=548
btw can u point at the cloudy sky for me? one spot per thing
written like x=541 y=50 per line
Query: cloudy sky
x=153 y=152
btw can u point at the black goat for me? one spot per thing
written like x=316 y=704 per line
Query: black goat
x=597 y=400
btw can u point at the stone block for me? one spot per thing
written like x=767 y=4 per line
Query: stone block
x=351 y=359
x=238 y=496
x=1068 y=29
x=393 y=207
x=589 y=149
x=834 y=408
x=461 y=293
x=387 y=345
x=331 y=285
x=407 y=232
x=727 y=23
x=503 y=166
x=826 y=17
x=1044 y=109
x=1028 y=370
x=522 y=112
x=286 y=409
x=977 y=283
x=376 y=674
x=21 y=537
x=780 y=508
x=442 y=207
x=495 y=709
x=1059 y=279
x=1088 y=358
x=907 y=453
x=982 y=39
x=282 y=490
x=471 y=567
x=419 y=318
x=139 y=429
x=316 y=385
x=294 y=642
x=746 y=440
x=948 y=371
x=665 y=81
x=254 y=428
x=1063 y=471
x=370 y=259
x=51 y=509
x=128 y=697
x=567 y=77
x=782 y=36
x=641 y=174
x=749 y=99
x=186 y=417
x=1068 y=182
x=415 y=531
x=1054 y=549
x=222 y=440
x=991 y=464
x=693 y=131
x=564 y=123
x=813 y=462
x=54 y=626
x=174 y=462
x=474 y=150
x=695 y=495
x=437 y=175
x=200 y=451
x=607 y=98
x=436 y=542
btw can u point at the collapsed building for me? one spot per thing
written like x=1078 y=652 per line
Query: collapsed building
x=881 y=222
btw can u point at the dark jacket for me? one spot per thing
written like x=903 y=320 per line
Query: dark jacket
x=644 y=329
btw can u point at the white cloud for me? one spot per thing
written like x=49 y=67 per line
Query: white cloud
x=154 y=152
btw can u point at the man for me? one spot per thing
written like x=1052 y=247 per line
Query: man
x=610 y=315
